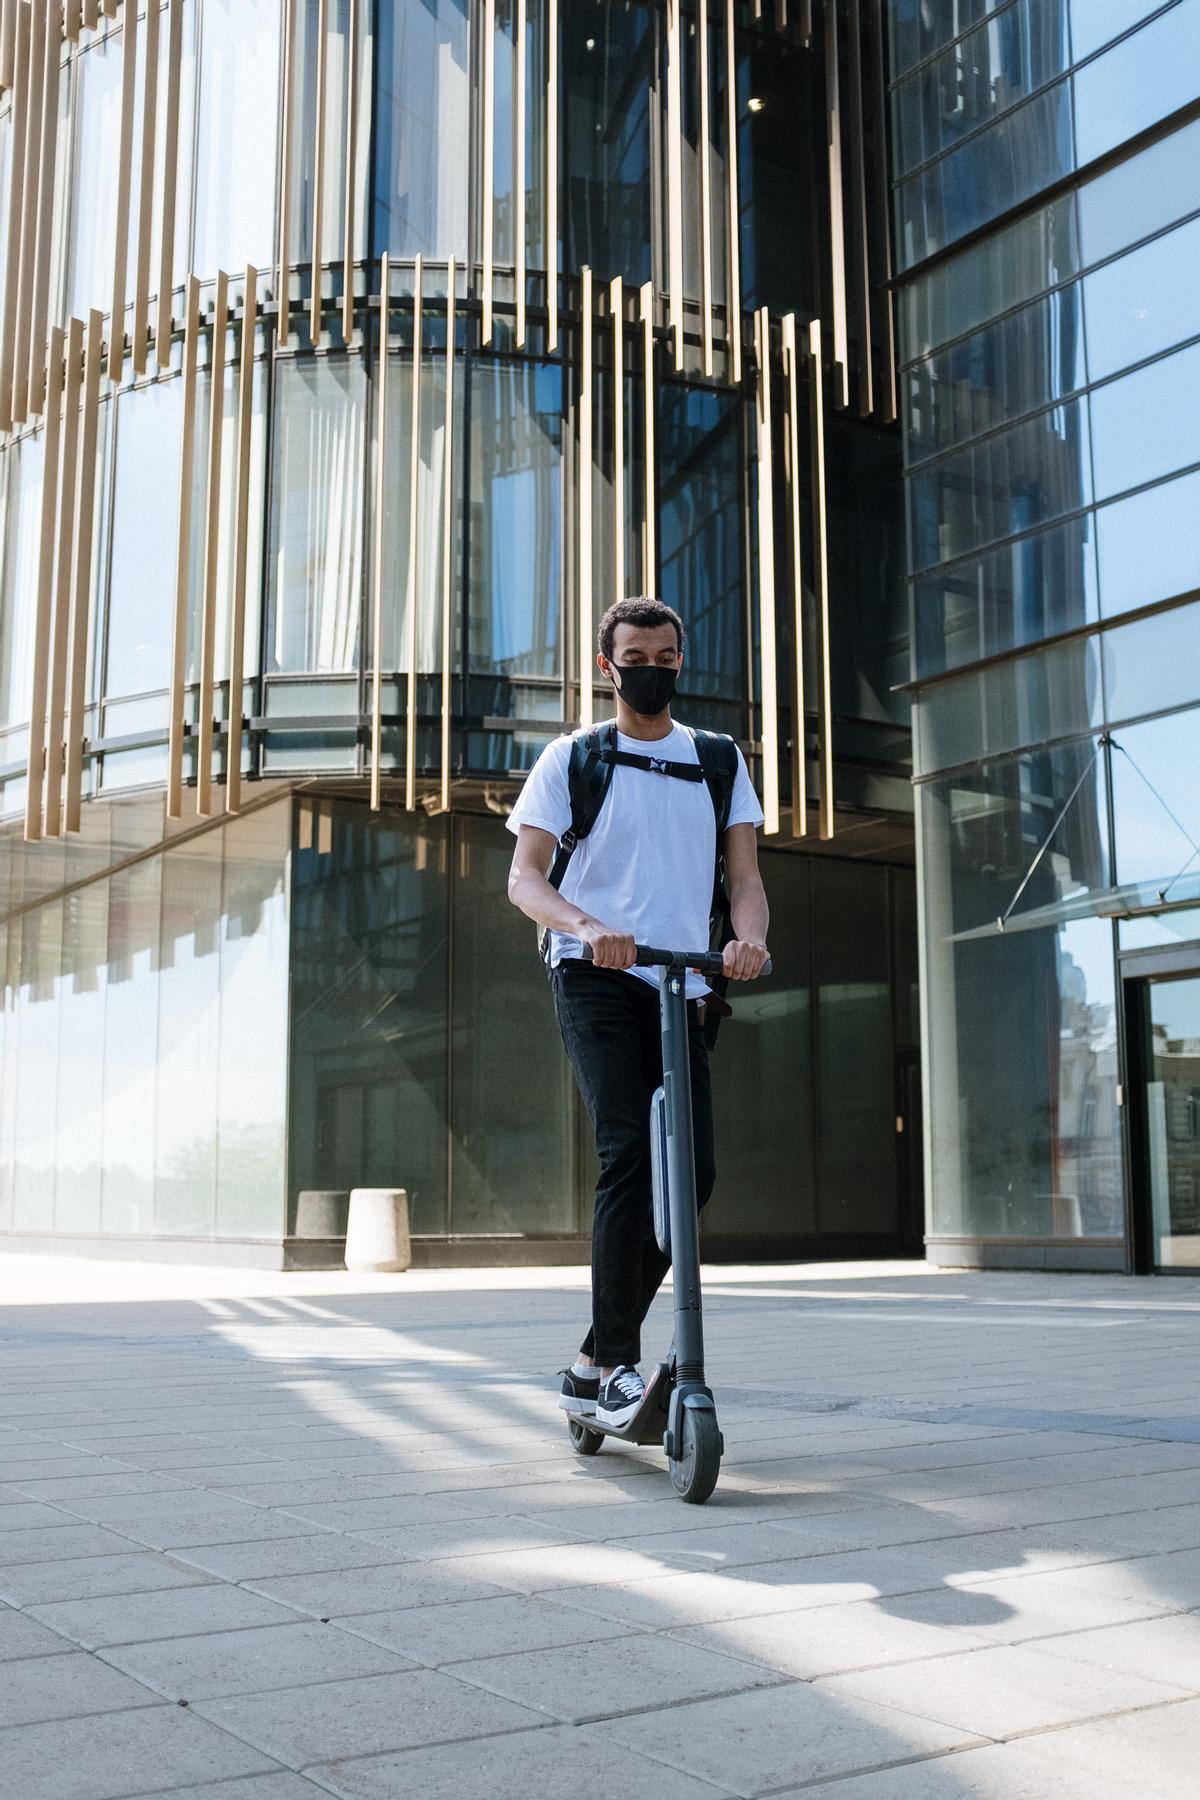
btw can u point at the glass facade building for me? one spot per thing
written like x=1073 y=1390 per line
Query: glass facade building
x=1046 y=209
x=354 y=355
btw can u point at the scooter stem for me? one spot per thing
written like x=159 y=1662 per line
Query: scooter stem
x=681 y=1180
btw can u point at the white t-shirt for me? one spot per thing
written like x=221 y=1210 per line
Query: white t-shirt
x=646 y=867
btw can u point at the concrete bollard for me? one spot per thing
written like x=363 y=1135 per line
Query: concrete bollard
x=377 y=1235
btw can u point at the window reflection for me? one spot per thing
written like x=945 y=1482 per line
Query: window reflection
x=316 y=516
x=608 y=73
x=1144 y=426
x=93 y=188
x=236 y=136
x=1155 y=806
x=701 y=552
x=431 y=477
x=145 y=529
x=778 y=141
x=21 y=488
x=1138 y=81
x=1149 y=545
x=515 y=499
x=422 y=100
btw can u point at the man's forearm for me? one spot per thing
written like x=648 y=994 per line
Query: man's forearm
x=748 y=911
x=544 y=904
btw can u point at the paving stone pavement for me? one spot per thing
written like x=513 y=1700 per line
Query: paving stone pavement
x=269 y=1537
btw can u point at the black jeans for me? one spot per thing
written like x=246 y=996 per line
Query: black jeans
x=610 y=1026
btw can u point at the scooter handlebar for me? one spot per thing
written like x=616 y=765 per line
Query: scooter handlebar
x=705 y=962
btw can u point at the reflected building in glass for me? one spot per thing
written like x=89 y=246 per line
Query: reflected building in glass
x=1047 y=227
x=354 y=356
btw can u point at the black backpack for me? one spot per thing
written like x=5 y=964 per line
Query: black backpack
x=594 y=755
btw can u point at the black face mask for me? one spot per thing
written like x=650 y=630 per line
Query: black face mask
x=644 y=687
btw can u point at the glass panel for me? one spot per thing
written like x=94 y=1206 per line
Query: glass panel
x=1149 y=545
x=1092 y=25
x=397 y=517
x=513 y=1119
x=333 y=189
x=981 y=76
x=1022 y=477
x=1140 y=196
x=1138 y=82
x=1143 y=303
x=516 y=511
x=1025 y=1127
x=997 y=374
x=607 y=74
x=22 y=501
x=94 y=187
x=1153 y=664
x=1173 y=1118
x=1019 y=594
x=131 y=1048
x=856 y=1172
x=1144 y=426
x=316 y=516
x=700 y=522
x=6 y=142
x=186 y=154
x=1157 y=930
x=145 y=536
x=79 y=1149
x=1051 y=694
x=422 y=99
x=917 y=27
x=252 y=1052
x=369 y=1020
x=779 y=202
x=1006 y=164
x=185 y=1135
x=36 y=1099
x=236 y=136
x=1154 y=798
x=763 y=1082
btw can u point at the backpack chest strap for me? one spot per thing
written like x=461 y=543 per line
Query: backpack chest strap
x=632 y=760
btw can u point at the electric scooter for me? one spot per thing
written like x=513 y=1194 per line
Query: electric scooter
x=678 y=1410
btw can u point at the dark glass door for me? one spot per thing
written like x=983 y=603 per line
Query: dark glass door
x=1166 y=1068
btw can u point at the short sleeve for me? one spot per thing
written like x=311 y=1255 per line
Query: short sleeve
x=744 y=808
x=545 y=799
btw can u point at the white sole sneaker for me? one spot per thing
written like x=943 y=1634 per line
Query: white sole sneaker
x=580 y=1409
x=619 y=1416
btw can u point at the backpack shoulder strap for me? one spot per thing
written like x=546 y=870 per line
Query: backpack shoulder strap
x=718 y=760
x=588 y=778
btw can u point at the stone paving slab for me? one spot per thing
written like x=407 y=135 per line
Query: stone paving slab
x=960 y=1560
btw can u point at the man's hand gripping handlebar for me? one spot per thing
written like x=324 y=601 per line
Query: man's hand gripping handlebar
x=705 y=962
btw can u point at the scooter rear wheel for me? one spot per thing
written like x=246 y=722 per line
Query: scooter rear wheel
x=694 y=1476
x=584 y=1440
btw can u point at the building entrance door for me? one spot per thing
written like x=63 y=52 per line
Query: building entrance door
x=1163 y=1013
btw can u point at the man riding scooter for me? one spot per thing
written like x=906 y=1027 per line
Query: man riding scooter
x=619 y=832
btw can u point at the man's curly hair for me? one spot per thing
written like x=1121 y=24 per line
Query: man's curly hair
x=644 y=610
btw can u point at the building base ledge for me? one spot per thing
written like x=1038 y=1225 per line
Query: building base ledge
x=1062 y=1255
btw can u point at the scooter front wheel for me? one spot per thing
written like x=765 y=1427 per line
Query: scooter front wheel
x=583 y=1439
x=694 y=1476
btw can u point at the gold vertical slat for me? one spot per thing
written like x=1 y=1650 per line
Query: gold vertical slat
x=883 y=201
x=837 y=220
x=206 y=701
x=12 y=260
x=385 y=286
x=241 y=537
x=585 y=500
x=8 y=43
x=318 y=193
x=768 y=694
x=351 y=156
x=859 y=223
x=176 y=734
x=22 y=344
x=821 y=578
x=448 y=533
x=414 y=481
x=45 y=586
x=650 y=517
x=116 y=322
x=488 y=199
x=81 y=569
x=799 y=759
x=519 y=174
x=733 y=309
x=45 y=208
x=551 y=251
x=72 y=383
x=72 y=20
x=617 y=306
x=145 y=223
x=166 y=259
x=90 y=14
x=283 y=283
x=675 y=176
x=706 y=273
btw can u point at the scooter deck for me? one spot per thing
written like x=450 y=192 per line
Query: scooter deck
x=649 y=1422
